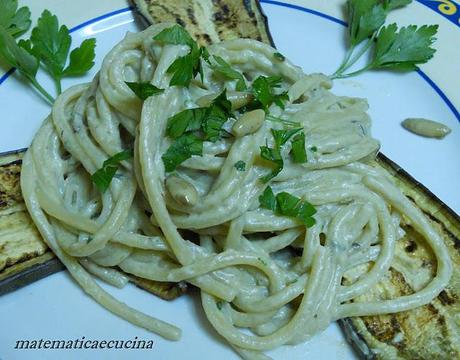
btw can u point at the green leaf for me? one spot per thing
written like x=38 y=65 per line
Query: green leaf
x=299 y=155
x=15 y=22
x=185 y=121
x=292 y=206
x=282 y=136
x=224 y=69
x=314 y=149
x=52 y=43
x=285 y=204
x=404 y=49
x=7 y=10
x=240 y=165
x=17 y=56
x=184 y=68
x=81 y=58
x=394 y=4
x=204 y=54
x=103 y=177
x=143 y=90
x=268 y=200
x=364 y=18
x=175 y=35
x=182 y=71
x=274 y=156
x=263 y=89
x=216 y=115
x=206 y=123
x=182 y=149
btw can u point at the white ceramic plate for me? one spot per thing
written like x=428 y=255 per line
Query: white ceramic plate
x=311 y=34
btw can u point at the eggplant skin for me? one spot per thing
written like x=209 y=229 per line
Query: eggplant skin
x=210 y=21
x=431 y=331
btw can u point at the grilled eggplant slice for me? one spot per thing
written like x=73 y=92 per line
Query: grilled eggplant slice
x=24 y=257
x=428 y=332
x=210 y=21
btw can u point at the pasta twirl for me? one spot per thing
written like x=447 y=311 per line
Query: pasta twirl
x=256 y=270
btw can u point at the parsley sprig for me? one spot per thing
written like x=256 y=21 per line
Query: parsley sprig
x=392 y=47
x=191 y=127
x=15 y=21
x=184 y=68
x=49 y=46
x=286 y=204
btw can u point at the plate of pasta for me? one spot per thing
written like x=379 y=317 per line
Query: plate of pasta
x=241 y=178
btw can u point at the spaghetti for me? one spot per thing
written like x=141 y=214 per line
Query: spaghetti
x=256 y=270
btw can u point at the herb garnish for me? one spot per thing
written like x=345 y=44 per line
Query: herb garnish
x=191 y=127
x=274 y=154
x=103 y=177
x=240 y=165
x=182 y=149
x=396 y=49
x=143 y=90
x=49 y=45
x=263 y=89
x=224 y=69
x=184 y=68
x=286 y=204
x=299 y=155
x=15 y=21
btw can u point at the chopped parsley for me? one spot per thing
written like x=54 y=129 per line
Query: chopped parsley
x=143 y=90
x=299 y=155
x=285 y=204
x=191 y=127
x=182 y=149
x=240 y=165
x=184 y=68
x=185 y=121
x=224 y=69
x=103 y=177
x=274 y=154
x=263 y=89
